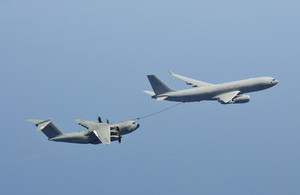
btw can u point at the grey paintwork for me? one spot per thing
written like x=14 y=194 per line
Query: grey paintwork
x=116 y=130
x=225 y=93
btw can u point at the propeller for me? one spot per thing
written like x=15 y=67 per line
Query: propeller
x=99 y=119
x=119 y=135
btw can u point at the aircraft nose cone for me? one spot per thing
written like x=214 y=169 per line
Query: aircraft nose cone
x=138 y=125
x=274 y=82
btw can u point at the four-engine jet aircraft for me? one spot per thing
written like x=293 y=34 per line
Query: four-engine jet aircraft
x=225 y=93
x=96 y=131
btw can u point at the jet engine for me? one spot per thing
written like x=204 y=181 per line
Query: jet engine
x=241 y=99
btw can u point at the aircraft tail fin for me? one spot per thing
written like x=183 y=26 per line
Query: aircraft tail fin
x=158 y=86
x=47 y=127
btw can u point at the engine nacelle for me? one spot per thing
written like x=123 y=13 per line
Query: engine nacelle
x=241 y=99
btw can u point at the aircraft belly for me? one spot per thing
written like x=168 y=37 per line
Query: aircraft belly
x=192 y=96
x=80 y=139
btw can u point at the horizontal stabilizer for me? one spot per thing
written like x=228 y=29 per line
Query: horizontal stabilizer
x=150 y=93
x=36 y=121
x=47 y=127
x=161 y=98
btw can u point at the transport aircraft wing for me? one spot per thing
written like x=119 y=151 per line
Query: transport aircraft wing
x=225 y=98
x=100 y=130
x=85 y=124
x=190 y=81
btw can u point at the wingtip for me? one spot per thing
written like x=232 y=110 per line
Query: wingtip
x=171 y=73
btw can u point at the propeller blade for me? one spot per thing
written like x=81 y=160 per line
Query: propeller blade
x=119 y=135
x=99 y=119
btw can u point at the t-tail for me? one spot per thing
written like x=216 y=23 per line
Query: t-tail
x=159 y=88
x=47 y=127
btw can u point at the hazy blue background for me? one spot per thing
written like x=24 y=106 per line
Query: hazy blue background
x=66 y=60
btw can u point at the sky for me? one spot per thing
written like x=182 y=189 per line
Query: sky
x=68 y=60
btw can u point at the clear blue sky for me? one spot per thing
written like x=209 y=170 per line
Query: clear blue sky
x=66 y=60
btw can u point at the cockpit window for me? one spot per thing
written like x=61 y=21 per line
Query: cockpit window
x=134 y=123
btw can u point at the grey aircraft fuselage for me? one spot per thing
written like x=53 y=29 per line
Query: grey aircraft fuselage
x=225 y=93
x=115 y=131
x=209 y=92
x=84 y=137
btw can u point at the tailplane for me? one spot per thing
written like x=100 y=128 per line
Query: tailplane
x=158 y=86
x=47 y=127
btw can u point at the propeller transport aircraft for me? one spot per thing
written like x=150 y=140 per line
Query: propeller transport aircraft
x=96 y=131
x=225 y=93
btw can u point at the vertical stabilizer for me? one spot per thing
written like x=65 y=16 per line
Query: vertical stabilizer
x=47 y=127
x=158 y=86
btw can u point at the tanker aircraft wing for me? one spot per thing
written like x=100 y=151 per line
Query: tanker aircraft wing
x=190 y=81
x=226 y=98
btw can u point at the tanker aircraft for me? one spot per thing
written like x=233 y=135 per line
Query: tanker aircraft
x=96 y=131
x=225 y=93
